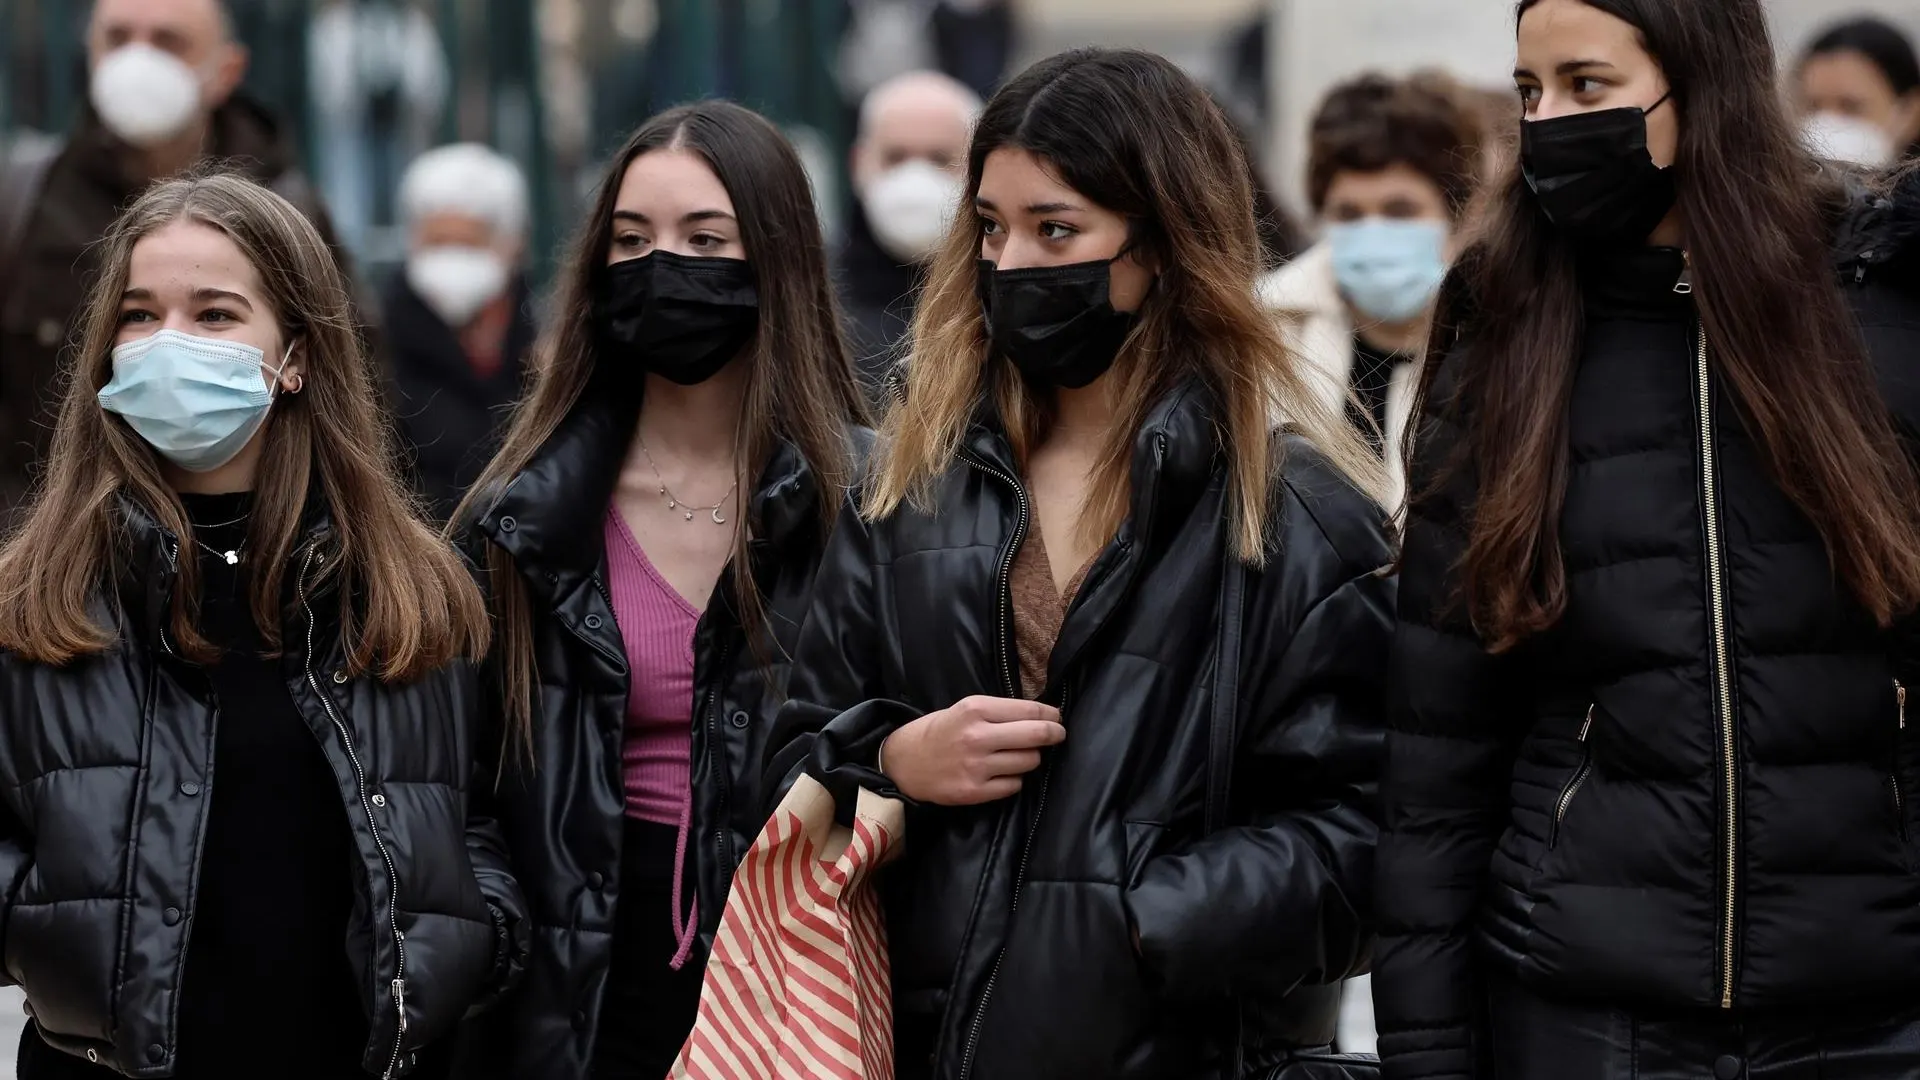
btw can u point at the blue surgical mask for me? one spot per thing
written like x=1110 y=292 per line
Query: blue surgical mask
x=1389 y=269
x=195 y=400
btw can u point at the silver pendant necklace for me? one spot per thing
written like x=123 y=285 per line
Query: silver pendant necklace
x=679 y=505
x=231 y=558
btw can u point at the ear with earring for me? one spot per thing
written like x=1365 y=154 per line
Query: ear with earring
x=298 y=381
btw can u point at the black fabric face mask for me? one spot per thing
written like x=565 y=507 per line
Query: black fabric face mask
x=1593 y=176
x=1056 y=323
x=675 y=316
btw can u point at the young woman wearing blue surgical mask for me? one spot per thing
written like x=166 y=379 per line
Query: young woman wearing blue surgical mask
x=1392 y=166
x=238 y=717
x=1650 y=782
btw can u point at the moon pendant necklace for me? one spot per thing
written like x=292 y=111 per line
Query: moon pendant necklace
x=680 y=506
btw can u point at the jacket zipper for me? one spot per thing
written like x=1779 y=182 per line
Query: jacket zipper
x=1019 y=880
x=1004 y=624
x=1573 y=785
x=1893 y=774
x=1723 y=683
x=399 y=984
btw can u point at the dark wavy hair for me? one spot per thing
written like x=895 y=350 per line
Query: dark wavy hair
x=1758 y=214
x=1425 y=121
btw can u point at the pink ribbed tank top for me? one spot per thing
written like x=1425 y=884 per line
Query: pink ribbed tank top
x=657 y=624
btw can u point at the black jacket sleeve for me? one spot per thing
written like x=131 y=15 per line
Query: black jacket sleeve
x=836 y=717
x=1449 y=758
x=1282 y=896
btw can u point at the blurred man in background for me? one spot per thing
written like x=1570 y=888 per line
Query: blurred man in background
x=458 y=322
x=908 y=164
x=163 y=95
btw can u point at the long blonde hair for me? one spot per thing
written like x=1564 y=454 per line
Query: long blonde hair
x=1131 y=132
x=412 y=605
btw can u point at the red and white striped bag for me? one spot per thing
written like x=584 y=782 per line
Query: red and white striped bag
x=799 y=984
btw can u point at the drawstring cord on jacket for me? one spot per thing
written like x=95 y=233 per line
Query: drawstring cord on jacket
x=684 y=931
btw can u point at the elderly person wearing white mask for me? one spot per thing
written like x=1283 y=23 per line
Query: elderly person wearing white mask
x=458 y=322
x=907 y=165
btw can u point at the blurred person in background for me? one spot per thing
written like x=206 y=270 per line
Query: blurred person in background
x=1392 y=166
x=164 y=94
x=1858 y=86
x=380 y=82
x=907 y=164
x=970 y=40
x=458 y=317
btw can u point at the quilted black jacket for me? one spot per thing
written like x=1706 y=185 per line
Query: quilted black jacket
x=103 y=768
x=1011 y=923
x=564 y=812
x=1694 y=792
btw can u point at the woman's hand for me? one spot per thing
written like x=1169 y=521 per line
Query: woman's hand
x=978 y=751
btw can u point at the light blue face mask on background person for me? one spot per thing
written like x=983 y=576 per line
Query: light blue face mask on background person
x=1389 y=268
x=195 y=400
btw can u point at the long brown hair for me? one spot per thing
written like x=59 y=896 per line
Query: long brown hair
x=1757 y=218
x=1131 y=132
x=413 y=605
x=800 y=384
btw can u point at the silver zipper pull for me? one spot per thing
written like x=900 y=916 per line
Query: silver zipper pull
x=1900 y=695
x=1684 y=286
x=1587 y=724
x=400 y=1002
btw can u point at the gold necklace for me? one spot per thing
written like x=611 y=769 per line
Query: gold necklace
x=679 y=505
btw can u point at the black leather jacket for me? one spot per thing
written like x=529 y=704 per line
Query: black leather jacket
x=564 y=819
x=1011 y=923
x=103 y=768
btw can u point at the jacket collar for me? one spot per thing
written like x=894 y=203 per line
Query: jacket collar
x=151 y=553
x=551 y=516
x=1174 y=454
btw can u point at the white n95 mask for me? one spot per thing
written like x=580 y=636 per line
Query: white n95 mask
x=910 y=206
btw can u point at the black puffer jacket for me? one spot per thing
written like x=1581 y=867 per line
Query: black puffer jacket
x=103 y=768
x=564 y=820
x=1694 y=792
x=1010 y=923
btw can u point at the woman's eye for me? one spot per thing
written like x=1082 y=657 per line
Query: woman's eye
x=135 y=316
x=989 y=227
x=1583 y=84
x=708 y=241
x=1528 y=95
x=1054 y=230
x=629 y=241
x=216 y=315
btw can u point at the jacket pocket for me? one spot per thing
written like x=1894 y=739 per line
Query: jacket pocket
x=1572 y=786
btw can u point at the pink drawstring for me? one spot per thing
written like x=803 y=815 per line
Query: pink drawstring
x=684 y=932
